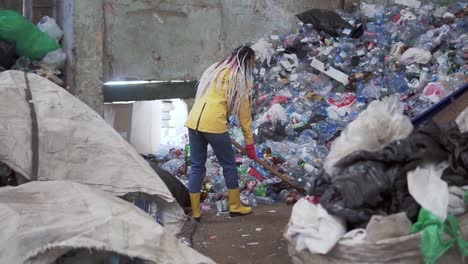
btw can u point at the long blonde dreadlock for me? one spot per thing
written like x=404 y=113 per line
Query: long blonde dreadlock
x=240 y=67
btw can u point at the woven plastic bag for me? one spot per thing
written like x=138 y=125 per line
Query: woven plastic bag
x=30 y=41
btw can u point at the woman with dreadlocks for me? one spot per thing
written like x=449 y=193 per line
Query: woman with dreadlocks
x=223 y=90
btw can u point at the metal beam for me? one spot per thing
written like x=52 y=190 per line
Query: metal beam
x=149 y=91
x=440 y=106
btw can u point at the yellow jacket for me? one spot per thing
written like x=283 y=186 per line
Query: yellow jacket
x=209 y=113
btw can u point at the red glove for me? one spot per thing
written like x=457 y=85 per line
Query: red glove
x=250 y=150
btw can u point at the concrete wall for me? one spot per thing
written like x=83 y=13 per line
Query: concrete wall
x=119 y=116
x=149 y=126
x=162 y=39
x=178 y=39
x=146 y=126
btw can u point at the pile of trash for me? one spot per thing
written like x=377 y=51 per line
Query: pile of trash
x=417 y=183
x=312 y=83
x=26 y=47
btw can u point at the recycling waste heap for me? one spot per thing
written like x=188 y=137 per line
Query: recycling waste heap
x=311 y=83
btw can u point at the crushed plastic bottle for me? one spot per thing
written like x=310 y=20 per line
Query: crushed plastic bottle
x=55 y=60
x=173 y=166
x=49 y=26
x=155 y=212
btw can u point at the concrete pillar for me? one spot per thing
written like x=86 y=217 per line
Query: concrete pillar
x=83 y=24
x=88 y=31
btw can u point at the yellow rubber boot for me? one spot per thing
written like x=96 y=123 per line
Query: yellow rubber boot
x=235 y=206
x=195 y=203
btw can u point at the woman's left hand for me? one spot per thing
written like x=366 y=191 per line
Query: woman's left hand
x=250 y=150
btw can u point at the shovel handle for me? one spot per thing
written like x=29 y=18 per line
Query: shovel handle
x=269 y=168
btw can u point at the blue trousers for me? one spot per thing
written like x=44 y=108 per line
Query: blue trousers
x=221 y=144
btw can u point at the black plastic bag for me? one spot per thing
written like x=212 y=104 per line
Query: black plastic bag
x=268 y=131
x=325 y=20
x=457 y=172
x=299 y=49
x=7 y=55
x=177 y=189
x=369 y=183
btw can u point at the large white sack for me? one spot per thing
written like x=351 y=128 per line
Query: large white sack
x=311 y=227
x=75 y=144
x=43 y=220
x=380 y=124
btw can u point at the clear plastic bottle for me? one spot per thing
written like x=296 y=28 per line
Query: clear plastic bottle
x=309 y=168
x=290 y=132
x=379 y=16
x=261 y=170
x=155 y=212
x=434 y=37
x=253 y=200
x=424 y=78
x=321 y=152
x=399 y=83
x=372 y=89
x=326 y=130
x=299 y=175
x=359 y=91
x=442 y=75
x=173 y=165
x=289 y=109
x=283 y=195
x=461 y=57
x=307 y=136
x=219 y=185
x=22 y=64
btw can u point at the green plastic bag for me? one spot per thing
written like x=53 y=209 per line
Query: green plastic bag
x=432 y=244
x=30 y=41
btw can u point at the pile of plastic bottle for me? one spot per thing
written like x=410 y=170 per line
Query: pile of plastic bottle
x=310 y=85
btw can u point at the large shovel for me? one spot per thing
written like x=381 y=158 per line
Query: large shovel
x=269 y=168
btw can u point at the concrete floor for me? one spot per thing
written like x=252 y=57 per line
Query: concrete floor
x=253 y=239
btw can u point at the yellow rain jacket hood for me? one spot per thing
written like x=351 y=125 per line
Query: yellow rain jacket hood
x=209 y=113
